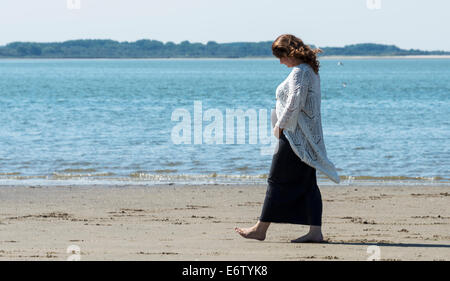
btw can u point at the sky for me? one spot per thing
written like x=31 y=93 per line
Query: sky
x=417 y=24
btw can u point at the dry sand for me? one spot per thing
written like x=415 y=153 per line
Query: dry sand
x=176 y=222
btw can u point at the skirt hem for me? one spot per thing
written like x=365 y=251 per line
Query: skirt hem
x=287 y=221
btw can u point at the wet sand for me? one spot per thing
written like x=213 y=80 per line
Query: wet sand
x=173 y=222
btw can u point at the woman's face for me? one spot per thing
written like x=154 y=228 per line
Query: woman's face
x=290 y=61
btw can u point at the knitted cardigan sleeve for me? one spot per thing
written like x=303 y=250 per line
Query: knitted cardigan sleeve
x=296 y=99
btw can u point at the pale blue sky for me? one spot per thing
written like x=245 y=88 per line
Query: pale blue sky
x=406 y=23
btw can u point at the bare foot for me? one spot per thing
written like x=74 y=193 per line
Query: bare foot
x=251 y=233
x=309 y=238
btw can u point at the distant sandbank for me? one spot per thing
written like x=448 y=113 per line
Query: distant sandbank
x=248 y=58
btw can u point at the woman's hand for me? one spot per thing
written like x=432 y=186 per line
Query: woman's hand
x=277 y=132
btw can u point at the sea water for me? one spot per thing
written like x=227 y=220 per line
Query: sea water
x=103 y=121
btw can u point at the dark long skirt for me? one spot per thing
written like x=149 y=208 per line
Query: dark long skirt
x=292 y=194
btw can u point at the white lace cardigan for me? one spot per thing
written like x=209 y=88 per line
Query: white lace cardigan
x=298 y=113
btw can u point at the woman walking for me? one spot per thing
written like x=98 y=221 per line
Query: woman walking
x=292 y=194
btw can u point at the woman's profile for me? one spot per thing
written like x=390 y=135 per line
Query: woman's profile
x=293 y=195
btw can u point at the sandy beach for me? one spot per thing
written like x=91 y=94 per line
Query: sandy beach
x=174 y=222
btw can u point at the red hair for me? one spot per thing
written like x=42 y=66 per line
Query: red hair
x=287 y=45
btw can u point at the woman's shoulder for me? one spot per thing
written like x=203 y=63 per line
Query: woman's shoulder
x=302 y=71
x=303 y=67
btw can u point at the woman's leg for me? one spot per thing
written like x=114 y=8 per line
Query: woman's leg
x=258 y=231
x=313 y=236
x=315 y=211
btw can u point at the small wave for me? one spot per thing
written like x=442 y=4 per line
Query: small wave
x=15 y=177
x=193 y=177
x=10 y=174
x=243 y=168
x=70 y=170
x=171 y=164
x=236 y=158
x=359 y=148
x=80 y=176
x=394 y=178
x=166 y=171
x=165 y=177
x=81 y=163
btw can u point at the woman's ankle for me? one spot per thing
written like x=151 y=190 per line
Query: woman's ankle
x=262 y=226
x=315 y=229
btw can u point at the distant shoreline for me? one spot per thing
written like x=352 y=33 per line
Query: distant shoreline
x=248 y=58
x=154 y=49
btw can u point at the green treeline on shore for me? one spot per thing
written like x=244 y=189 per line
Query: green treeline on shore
x=96 y=48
